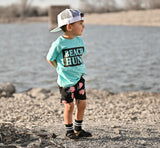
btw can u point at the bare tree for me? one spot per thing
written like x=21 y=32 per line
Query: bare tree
x=152 y=4
x=141 y=4
x=25 y=7
x=111 y=5
x=133 y=5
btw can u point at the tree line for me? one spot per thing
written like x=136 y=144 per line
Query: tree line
x=24 y=8
x=101 y=6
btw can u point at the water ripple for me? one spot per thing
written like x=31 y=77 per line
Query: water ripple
x=119 y=58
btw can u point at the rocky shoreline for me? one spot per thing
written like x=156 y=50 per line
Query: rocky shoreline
x=34 y=119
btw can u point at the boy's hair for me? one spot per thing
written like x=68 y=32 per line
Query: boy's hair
x=64 y=29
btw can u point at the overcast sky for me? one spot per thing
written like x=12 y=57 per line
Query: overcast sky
x=44 y=3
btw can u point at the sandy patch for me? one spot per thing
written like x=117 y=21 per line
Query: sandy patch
x=134 y=18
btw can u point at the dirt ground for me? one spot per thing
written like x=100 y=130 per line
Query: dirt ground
x=34 y=119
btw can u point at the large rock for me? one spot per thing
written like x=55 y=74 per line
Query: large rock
x=12 y=136
x=38 y=93
x=7 y=89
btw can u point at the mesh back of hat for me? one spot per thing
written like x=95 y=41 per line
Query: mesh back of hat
x=65 y=15
x=69 y=13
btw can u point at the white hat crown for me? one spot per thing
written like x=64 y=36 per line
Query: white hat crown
x=68 y=16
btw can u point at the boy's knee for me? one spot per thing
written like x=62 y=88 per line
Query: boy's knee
x=69 y=107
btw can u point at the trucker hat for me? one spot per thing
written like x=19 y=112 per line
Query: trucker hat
x=68 y=16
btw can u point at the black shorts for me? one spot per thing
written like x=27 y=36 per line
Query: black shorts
x=77 y=91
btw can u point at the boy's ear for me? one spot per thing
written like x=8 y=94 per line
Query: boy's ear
x=69 y=27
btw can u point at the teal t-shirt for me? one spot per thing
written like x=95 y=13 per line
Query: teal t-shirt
x=68 y=54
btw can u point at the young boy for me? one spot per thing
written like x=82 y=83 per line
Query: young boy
x=66 y=55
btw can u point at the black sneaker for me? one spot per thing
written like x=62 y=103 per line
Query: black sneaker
x=83 y=133
x=71 y=136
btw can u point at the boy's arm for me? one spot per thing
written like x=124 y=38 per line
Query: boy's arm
x=53 y=63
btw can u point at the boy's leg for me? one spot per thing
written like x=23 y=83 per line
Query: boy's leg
x=68 y=112
x=67 y=100
x=80 y=99
x=81 y=105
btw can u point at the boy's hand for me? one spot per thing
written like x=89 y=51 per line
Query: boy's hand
x=53 y=63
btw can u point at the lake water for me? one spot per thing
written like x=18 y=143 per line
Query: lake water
x=119 y=58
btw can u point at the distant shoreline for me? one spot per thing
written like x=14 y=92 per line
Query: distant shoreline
x=128 y=18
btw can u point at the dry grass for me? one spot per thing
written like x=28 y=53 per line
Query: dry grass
x=134 y=18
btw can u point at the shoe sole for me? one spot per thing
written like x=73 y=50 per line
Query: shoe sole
x=77 y=134
x=85 y=136
x=67 y=138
